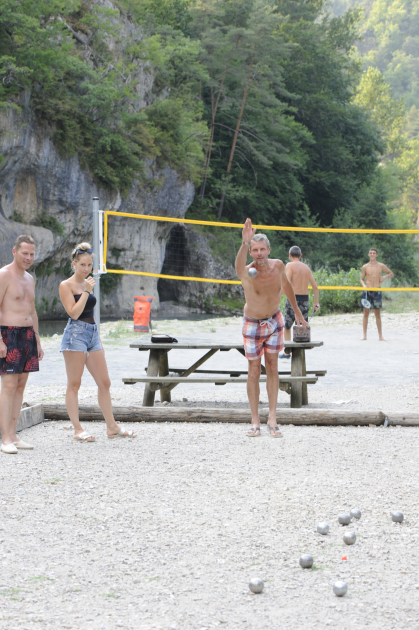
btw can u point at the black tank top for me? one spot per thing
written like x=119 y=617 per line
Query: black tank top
x=87 y=314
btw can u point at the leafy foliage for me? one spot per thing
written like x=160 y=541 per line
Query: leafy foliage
x=62 y=52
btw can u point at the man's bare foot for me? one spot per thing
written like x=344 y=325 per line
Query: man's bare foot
x=382 y=339
x=363 y=338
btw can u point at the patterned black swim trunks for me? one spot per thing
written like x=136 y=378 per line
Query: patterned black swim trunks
x=375 y=298
x=289 y=316
x=22 y=350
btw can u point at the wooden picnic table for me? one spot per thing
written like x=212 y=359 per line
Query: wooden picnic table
x=293 y=382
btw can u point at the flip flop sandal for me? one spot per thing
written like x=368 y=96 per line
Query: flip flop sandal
x=276 y=432
x=84 y=437
x=10 y=449
x=253 y=432
x=123 y=434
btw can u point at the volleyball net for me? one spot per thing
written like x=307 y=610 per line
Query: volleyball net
x=176 y=250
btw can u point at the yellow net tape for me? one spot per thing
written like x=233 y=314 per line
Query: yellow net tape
x=281 y=228
x=324 y=288
x=239 y=225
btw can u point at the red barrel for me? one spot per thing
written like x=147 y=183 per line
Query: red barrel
x=142 y=308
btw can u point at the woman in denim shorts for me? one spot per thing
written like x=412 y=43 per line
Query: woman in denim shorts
x=81 y=345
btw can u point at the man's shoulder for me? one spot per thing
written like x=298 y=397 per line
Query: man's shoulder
x=277 y=263
x=29 y=277
x=5 y=273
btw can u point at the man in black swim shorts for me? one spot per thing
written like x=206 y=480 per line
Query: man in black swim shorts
x=301 y=277
x=20 y=347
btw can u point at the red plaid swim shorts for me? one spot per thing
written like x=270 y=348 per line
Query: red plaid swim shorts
x=263 y=335
x=22 y=350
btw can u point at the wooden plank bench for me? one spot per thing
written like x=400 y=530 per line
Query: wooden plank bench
x=167 y=383
x=240 y=372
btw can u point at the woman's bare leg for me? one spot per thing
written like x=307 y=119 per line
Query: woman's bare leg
x=74 y=365
x=96 y=364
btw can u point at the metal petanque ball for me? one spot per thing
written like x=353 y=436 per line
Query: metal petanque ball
x=256 y=585
x=349 y=538
x=397 y=517
x=340 y=589
x=356 y=514
x=252 y=272
x=323 y=528
x=344 y=519
x=306 y=561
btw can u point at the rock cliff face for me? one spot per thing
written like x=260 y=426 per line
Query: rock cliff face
x=189 y=253
x=37 y=185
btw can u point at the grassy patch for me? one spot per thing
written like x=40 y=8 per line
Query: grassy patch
x=112 y=595
x=52 y=482
x=401 y=302
x=120 y=329
x=319 y=567
x=10 y=592
x=41 y=578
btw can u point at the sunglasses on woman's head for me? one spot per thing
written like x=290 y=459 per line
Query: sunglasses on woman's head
x=85 y=251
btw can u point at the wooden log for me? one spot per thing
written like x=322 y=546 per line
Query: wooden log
x=403 y=419
x=326 y=417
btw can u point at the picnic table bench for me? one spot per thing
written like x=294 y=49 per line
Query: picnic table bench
x=293 y=382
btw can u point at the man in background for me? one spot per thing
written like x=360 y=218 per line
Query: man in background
x=20 y=346
x=371 y=276
x=300 y=276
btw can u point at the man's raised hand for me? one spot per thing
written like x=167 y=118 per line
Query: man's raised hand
x=248 y=233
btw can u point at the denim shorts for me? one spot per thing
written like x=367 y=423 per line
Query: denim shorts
x=80 y=337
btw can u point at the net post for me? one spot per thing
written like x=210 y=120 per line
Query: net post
x=97 y=260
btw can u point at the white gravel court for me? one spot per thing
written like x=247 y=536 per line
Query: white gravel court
x=165 y=531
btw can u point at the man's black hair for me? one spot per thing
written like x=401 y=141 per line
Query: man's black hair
x=373 y=249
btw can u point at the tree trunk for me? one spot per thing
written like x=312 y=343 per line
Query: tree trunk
x=236 y=133
x=214 y=108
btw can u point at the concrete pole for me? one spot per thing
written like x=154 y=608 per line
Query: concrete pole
x=96 y=260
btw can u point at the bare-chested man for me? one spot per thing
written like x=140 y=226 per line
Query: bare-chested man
x=20 y=347
x=262 y=323
x=301 y=277
x=371 y=277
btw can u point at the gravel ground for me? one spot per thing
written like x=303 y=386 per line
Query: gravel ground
x=165 y=531
x=361 y=375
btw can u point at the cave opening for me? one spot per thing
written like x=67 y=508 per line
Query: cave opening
x=175 y=263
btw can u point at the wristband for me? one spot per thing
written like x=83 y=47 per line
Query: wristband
x=245 y=243
x=86 y=291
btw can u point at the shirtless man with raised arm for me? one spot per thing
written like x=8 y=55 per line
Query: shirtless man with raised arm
x=371 y=277
x=262 y=323
x=301 y=277
x=20 y=347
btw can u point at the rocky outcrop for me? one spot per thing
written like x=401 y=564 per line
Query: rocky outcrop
x=189 y=253
x=38 y=186
x=51 y=198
